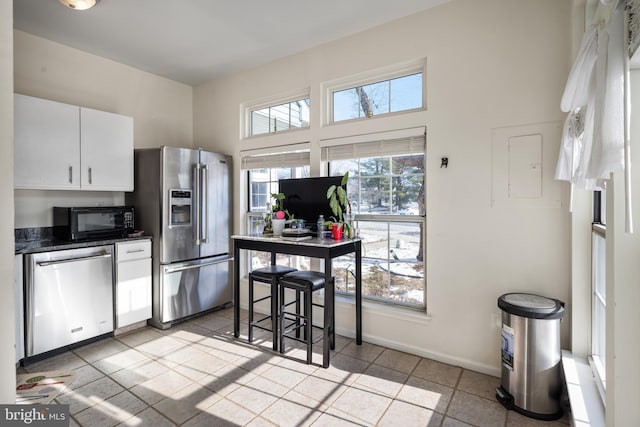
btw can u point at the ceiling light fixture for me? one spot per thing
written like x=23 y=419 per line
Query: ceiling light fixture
x=79 y=4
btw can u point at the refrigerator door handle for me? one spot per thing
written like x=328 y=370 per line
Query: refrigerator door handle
x=205 y=203
x=169 y=270
x=196 y=212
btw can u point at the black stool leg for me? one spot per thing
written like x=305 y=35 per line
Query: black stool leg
x=250 y=308
x=274 y=311
x=332 y=304
x=303 y=325
x=308 y=331
x=281 y=318
x=298 y=314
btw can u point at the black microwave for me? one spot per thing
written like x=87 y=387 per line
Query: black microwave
x=94 y=222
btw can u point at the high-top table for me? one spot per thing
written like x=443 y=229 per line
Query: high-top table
x=326 y=249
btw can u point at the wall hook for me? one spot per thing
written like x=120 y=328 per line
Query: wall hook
x=444 y=162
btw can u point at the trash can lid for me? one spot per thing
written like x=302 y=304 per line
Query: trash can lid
x=532 y=306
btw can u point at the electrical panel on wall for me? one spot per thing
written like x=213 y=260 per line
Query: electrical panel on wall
x=523 y=165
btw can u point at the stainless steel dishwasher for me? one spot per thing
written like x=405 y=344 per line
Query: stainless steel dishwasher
x=69 y=297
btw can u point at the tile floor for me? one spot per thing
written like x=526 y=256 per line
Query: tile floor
x=197 y=374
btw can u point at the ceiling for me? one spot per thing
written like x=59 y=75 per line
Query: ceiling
x=194 y=41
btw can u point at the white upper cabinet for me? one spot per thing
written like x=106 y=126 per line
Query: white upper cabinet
x=65 y=147
x=106 y=153
x=46 y=144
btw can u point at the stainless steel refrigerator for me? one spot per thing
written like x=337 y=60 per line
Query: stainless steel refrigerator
x=182 y=199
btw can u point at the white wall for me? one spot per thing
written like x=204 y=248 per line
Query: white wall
x=7 y=336
x=162 y=109
x=490 y=65
x=33 y=207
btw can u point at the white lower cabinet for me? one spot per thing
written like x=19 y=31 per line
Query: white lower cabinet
x=19 y=309
x=133 y=282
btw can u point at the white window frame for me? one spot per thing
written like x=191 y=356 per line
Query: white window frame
x=390 y=143
x=598 y=299
x=369 y=77
x=290 y=156
x=294 y=155
x=249 y=107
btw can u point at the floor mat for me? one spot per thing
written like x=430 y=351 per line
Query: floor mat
x=41 y=387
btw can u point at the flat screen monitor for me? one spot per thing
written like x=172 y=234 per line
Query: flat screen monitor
x=306 y=198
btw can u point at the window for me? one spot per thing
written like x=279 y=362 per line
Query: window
x=599 y=294
x=377 y=93
x=386 y=188
x=388 y=96
x=263 y=173
x=280 y=117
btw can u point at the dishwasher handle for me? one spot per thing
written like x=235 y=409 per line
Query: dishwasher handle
x=66 y=260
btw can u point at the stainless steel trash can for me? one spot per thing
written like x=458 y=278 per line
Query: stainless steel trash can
x=531 y=355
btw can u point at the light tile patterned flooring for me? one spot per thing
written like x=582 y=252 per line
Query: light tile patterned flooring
x=197 y=374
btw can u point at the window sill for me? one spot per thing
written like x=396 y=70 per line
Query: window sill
x=586 y=406
x=415 y=315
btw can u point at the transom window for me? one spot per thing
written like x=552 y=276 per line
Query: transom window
x=395 y=89
x=382 y=97
x=279 y=117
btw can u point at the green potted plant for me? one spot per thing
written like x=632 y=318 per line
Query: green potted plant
x=340 y=206
x=279 y=214
x=273 y=212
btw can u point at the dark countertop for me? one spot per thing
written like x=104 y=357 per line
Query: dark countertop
x=34 y=240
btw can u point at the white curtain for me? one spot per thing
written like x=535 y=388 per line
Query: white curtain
x=594 y=141
x=577 y=100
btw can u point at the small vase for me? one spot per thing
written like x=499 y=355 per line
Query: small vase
x=350 y=231
x=267 y=224
x=278 y=226
x=336 y=231
x=258 y=226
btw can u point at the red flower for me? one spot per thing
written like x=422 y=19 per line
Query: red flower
x=280 y=214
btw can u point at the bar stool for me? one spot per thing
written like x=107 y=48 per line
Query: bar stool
x=271 y=275
x=304 y=283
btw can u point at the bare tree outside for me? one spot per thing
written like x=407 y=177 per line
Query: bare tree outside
x=401 y=187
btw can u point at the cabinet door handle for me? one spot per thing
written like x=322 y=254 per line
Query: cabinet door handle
x=70 y=174
x=135 y=251
x=90 y=177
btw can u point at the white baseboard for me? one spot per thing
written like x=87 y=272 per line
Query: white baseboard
x=438 y=357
